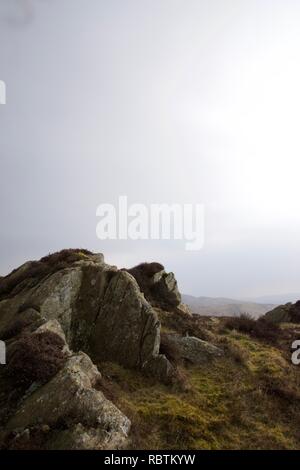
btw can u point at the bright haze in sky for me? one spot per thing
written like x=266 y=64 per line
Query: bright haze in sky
x=166 y=101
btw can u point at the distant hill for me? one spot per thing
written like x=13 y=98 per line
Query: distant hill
x=220 y=306
x=277 y=299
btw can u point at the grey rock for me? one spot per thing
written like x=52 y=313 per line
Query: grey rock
x=193 y=349
x=127 y=329
x=100 y=309
x=70 y=396
x=167 y=290
x=160 y=368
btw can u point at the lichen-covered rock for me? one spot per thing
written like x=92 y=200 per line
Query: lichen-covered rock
x=100 y=308
x=71 y=399
x=167 y=290
x=193 y=349
x=53 y=297
x=126 y=330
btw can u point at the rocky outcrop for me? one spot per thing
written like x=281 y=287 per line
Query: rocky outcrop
x=80 y=303
x=289 y=313
x=100 y=309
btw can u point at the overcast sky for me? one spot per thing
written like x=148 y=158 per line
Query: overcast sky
x=165 y=101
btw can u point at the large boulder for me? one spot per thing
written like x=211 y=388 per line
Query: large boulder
x=70 y=402
x=159 y=287
x=100 y=308
x=126 y=329
x=192 y=349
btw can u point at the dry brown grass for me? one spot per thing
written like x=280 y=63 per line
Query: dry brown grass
x=234 y=350
x=261 y=328
x=143 y=273
x=36 y=358
x=182 y=323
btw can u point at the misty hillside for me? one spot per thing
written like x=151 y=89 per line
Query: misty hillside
x=221 y=306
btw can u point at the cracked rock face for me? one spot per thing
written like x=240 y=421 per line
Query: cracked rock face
x=100 y=309
x=126 y=328
x=94 y=308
